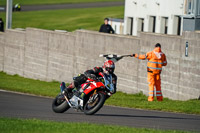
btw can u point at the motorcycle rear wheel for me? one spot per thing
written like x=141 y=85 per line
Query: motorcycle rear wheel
x=91 y=108
x=59 y=104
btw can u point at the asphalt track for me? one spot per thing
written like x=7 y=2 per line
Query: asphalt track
x=27 y=106
x=69 y=6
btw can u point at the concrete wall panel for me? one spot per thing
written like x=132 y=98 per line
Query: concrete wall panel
x=2 y=42
x=14 y=52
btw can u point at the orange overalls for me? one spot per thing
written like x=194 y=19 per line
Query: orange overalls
x=156 y=59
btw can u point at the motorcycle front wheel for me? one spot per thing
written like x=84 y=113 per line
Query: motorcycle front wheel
x=94 y=103
x=59 y=104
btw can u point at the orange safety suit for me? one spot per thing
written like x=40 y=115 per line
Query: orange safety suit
x=156 y=59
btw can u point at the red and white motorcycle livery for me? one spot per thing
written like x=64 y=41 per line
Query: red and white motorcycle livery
x=95 y=93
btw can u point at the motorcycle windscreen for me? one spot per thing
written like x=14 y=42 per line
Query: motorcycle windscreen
x=108 y=82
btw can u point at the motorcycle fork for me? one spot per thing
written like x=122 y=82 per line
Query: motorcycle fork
x=93 y=96
x=95 y=92
x=67 y=101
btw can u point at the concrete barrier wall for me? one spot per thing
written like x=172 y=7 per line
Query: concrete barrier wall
x=49 y=55
x=1 y=50
x=14 y=52
x=189 y=78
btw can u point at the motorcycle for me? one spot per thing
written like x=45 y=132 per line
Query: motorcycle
x=90 y=96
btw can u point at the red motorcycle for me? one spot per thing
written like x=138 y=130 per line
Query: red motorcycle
x=95 y=93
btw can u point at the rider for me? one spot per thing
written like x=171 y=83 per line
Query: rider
x=107 y=68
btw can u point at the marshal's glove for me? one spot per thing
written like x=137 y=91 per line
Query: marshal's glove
x=133 y=55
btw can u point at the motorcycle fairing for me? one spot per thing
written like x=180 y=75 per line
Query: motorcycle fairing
x=91 y=86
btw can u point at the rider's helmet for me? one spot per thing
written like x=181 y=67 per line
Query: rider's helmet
x=109 y=67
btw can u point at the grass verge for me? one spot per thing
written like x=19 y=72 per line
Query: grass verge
x=43 y=2
x=68 y=19
x=25 y=85
x=42 y=88
x=10 y=125
x=140 y=101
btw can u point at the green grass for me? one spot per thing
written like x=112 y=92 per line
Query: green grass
x=8 y=125
x=68 y=19
x=25 y=85
x=140 y=101
x=42 y=2
x=17 y=83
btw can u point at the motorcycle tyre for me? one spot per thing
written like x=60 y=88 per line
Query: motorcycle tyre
x=97 y=107
x=60 y=108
